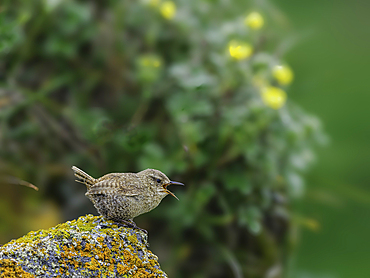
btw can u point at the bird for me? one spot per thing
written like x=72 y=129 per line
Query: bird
x=123 y=196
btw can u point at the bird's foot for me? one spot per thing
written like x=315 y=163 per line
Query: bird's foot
x=132 y=224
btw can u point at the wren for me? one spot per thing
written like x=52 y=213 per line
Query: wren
x=123 y=196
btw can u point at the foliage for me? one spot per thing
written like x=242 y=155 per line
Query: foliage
x=127 y=85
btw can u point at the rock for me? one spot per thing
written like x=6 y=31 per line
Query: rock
x=87 y=247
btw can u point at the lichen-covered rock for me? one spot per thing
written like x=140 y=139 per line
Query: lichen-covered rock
x=87 y=247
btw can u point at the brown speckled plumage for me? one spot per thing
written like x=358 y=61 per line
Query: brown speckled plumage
x=123 y=196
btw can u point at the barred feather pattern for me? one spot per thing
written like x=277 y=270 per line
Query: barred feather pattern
x=83 y=177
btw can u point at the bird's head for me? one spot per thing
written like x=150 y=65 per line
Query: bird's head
x=157 y=181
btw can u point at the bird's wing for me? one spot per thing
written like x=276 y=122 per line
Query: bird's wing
x=127 y=184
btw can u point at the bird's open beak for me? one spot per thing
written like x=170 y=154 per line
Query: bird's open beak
x=169 y=192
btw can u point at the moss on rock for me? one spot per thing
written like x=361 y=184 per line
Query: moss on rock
x=87 y=247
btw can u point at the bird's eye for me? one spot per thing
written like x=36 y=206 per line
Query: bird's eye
x=158 y=180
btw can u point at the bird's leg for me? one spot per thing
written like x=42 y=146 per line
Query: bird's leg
x=136 y=227
x=132 y=224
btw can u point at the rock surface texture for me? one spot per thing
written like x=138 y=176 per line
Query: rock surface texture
x=87 y=247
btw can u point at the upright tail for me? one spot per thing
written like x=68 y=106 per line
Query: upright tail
x=83 y=177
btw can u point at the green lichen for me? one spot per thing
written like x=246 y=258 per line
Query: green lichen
x=88 y=246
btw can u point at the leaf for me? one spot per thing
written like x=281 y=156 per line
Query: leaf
x=250 y=217
x=237 y=179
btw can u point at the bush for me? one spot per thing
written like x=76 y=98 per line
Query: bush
x=190 y=88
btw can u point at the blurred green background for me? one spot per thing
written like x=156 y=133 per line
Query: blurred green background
x=324 y=42
x=332 y=67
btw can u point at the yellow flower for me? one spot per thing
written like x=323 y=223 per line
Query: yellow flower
x=168 y=9
x=283 y=74
x=150 y=61
x=240 y=50
x=156 y=63
x=273 y=97
x=254 y=20
x=148 y=68
x=153 y=3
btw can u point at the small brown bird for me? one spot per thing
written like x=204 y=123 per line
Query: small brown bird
x=123 y=196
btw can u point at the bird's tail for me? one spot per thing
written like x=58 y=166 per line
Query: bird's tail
x=83 y=177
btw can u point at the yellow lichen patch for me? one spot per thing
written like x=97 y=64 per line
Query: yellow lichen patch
x=141 y=274
x=111 y=267
x=10 y=269
x=92 y=265
x=132 y=239
x=91 y=246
